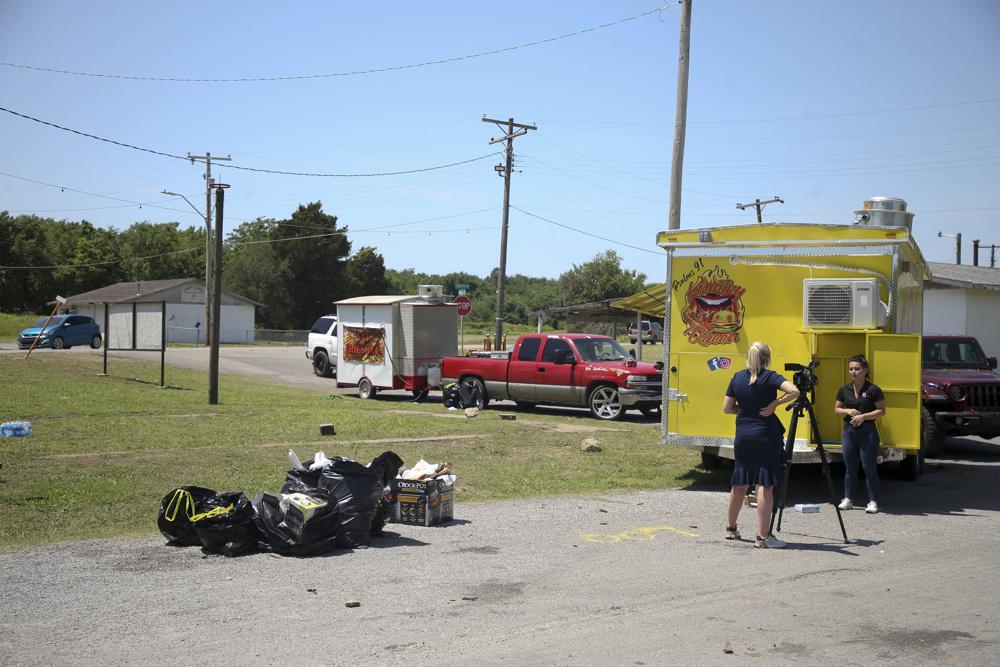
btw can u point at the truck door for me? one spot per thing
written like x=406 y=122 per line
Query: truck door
x=554 y=382
x=521 y=369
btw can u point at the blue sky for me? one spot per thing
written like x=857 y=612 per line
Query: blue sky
x=823 y=104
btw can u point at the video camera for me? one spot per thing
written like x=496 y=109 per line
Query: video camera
x=804 y=378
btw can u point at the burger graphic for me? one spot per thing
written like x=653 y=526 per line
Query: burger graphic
x=713 y=309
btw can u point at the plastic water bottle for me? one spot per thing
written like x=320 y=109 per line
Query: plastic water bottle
x=15 y=429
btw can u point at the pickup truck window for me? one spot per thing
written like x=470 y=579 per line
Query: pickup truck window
x=954 y=354
x=554 y=346
x=529 y=349
x=600 y=349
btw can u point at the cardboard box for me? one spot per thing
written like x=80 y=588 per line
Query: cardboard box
x=301 y=508
x=424 y=503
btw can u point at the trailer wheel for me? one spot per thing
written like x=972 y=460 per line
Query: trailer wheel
x=605 y=403
x=321 y=364
x=911 y=467
x=932 y=435
x=710 y=461
x=366 y=389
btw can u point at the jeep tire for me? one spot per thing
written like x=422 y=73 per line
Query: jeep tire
x=933 y=438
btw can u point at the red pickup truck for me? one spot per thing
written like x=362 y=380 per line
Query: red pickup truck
x=562 y=369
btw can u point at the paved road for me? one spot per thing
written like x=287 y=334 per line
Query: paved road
x=642 y=578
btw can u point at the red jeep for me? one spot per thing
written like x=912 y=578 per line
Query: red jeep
x=961 y=391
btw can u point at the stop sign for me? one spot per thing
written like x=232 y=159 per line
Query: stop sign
x=464 y=305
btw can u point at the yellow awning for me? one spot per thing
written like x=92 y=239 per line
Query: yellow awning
x=650 y=301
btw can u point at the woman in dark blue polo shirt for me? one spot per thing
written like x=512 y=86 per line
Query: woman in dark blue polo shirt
x=860 y=403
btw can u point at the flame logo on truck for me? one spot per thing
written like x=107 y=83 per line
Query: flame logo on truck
x=714 y=310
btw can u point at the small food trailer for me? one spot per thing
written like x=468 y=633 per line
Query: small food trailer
x=395 y=342
x=812 y=293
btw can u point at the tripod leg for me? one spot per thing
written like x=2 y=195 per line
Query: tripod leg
x=778 y=509
x=826 y=472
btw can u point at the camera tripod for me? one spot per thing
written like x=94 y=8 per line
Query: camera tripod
x=803 y=405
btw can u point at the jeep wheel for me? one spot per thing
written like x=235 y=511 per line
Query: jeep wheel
x=932 y=436
x=366 y=389
x=321 y=364
x=604 y=403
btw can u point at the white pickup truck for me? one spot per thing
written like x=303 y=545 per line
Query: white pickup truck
x=322 y=346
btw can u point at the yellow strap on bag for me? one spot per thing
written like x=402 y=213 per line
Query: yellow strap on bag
x=181 y=498
x=215 y=511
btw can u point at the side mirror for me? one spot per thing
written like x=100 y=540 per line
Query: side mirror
x=631 y=353
x=992 y=361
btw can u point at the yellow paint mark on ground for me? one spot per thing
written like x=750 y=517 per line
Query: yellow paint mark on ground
x=641 y=534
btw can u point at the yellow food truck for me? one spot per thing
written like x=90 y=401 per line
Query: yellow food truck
x=813 y=293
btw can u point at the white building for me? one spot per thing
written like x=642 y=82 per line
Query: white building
x=138 y=310
x=964 y=300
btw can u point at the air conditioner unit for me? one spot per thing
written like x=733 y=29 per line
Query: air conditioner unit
x=835 y=303
x=430 y=291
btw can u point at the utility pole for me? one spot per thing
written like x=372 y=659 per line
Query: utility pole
x=758 y=204
x=680 y=117
x=507 y=127
x=213 y=355
x=958 y=244
x=207 y=158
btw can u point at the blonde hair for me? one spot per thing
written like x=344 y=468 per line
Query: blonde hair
x=758 y=358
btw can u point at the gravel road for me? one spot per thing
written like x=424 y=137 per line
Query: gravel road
x=643 y=578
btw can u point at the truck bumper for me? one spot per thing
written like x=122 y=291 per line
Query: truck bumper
x=309 y=354
x=632 y=398
x=969 y=423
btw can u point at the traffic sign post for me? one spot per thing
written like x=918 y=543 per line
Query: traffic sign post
x=464 y=304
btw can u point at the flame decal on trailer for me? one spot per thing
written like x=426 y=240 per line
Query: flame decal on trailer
x=714 y=310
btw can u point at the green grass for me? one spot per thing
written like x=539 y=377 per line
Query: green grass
x=11 y=325
x=105 y=450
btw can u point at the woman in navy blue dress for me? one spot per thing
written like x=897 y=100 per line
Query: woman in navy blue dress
x=752 y=396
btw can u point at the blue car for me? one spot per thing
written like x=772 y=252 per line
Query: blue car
x=64 y=331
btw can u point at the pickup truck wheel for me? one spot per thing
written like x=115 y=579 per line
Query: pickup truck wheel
x=932 y=435
x=475 y=387
x=321 y=364
x=605 y=403
x=366 y=389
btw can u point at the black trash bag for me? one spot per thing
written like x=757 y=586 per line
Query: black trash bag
x=389 y=464
x=302 y=480
x=287 y=532
x=451 y=395
x=356 y=489
x=469 y=396
x=176 y=510
x=227 y=525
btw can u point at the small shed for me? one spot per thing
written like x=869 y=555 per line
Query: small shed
x=141 y=305
x=964 y=300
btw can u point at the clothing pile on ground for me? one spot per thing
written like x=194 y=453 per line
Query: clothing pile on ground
x=325 y=503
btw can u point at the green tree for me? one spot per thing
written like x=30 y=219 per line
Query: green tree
x=257 y=271
x=161 y=251
x=601 y=278
x=365 y=272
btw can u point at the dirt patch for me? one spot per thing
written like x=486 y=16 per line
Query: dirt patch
x=546 y=426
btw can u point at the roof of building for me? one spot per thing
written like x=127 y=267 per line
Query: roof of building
x=961 y=275
x=140 y=291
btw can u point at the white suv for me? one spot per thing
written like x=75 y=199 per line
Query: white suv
x=322 y=346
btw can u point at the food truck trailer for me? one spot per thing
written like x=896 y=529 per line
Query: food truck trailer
x=395 y=342
x=812 y=293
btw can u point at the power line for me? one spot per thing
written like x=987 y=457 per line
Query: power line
x=845 y=114
x=580 y=231
x=233 y=166
x=376 y=70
